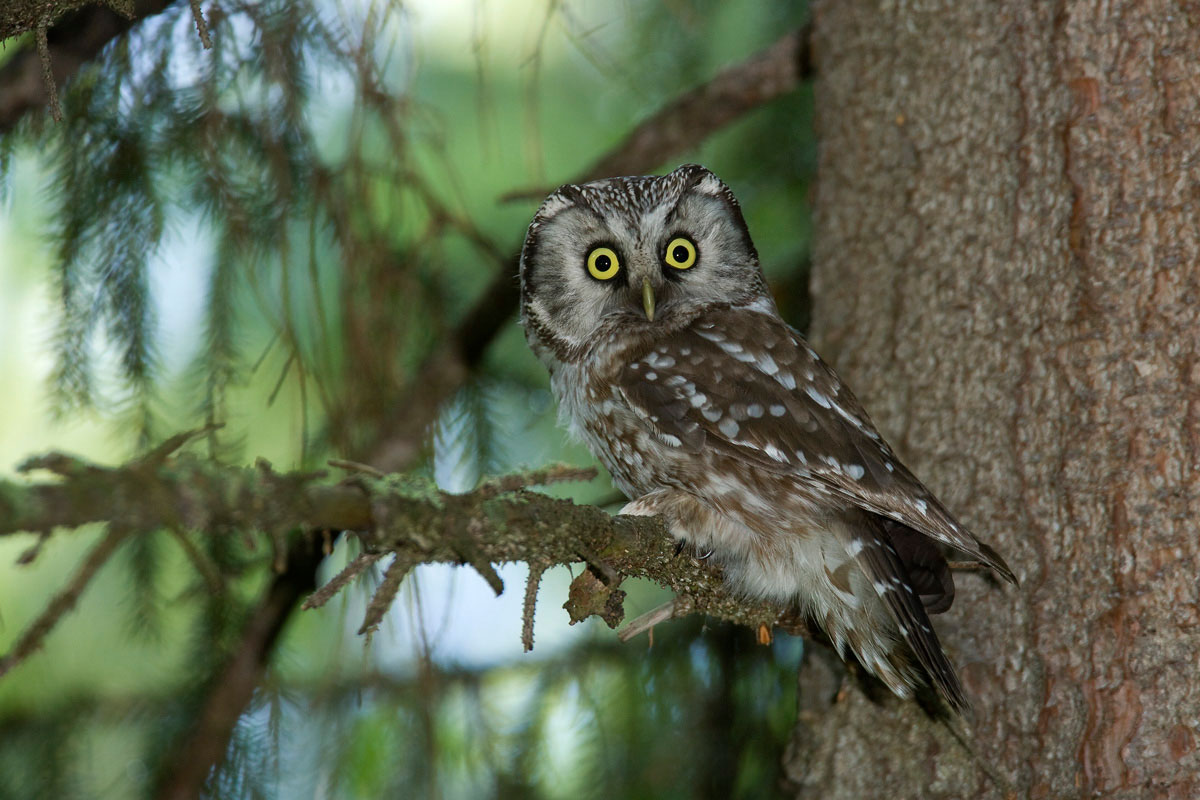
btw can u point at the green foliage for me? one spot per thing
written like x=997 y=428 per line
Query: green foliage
x=340 y=171
x=703 y=713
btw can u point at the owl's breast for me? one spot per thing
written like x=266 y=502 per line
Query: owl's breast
x=596 y=413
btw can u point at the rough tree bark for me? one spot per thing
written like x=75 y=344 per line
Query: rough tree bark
x=1006 y=270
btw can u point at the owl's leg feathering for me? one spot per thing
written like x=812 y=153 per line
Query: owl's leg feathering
x=683 y=515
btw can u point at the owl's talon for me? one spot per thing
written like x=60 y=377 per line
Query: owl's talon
x=679 y=547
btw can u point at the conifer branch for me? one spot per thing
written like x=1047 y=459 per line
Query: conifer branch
x=398 y=514
x=70 y=42
x=37 y=631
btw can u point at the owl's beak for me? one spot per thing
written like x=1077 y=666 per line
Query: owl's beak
x=648 y=298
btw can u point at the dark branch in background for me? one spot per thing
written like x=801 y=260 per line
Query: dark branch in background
x=77 y=38
x=231 y=689
x=695 y=115
x=680 y=126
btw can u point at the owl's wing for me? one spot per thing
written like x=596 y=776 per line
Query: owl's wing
x=748 y=385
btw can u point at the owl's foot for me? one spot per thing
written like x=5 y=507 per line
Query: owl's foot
x=682 y=543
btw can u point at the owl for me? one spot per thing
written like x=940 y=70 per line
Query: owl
x=644 y=298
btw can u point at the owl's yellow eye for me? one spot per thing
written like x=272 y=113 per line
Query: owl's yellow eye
x=603 y=264
x=681 y=253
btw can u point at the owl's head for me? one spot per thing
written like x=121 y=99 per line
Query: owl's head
x=640 y=255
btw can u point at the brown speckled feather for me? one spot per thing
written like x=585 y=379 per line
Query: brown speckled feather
x=749 y=385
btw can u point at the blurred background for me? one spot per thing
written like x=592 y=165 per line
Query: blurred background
x=281 y=234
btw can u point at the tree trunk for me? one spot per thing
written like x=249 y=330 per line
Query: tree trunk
x=1006 y=271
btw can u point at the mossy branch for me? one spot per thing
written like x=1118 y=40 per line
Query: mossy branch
x=399 y=514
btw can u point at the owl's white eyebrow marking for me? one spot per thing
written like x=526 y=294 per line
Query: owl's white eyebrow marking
x=553 y=204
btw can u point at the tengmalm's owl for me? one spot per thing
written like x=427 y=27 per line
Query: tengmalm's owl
x=644 y=298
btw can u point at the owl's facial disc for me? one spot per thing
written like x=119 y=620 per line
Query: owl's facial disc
x=633 y=254
x=606 y=266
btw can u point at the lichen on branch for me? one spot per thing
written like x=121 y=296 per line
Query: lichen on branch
x=402 y=516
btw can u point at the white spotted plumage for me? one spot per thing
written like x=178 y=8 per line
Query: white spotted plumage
x=710 y=411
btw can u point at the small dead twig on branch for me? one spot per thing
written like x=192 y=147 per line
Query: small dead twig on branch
x=341 y=580
x=354 y=466
x=551 y=474
x=536 y=570
x=381 y=601
x=201 y=25
x=672 y=609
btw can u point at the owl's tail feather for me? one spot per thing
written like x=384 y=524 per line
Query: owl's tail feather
x=924 y=564
x=885 y=569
